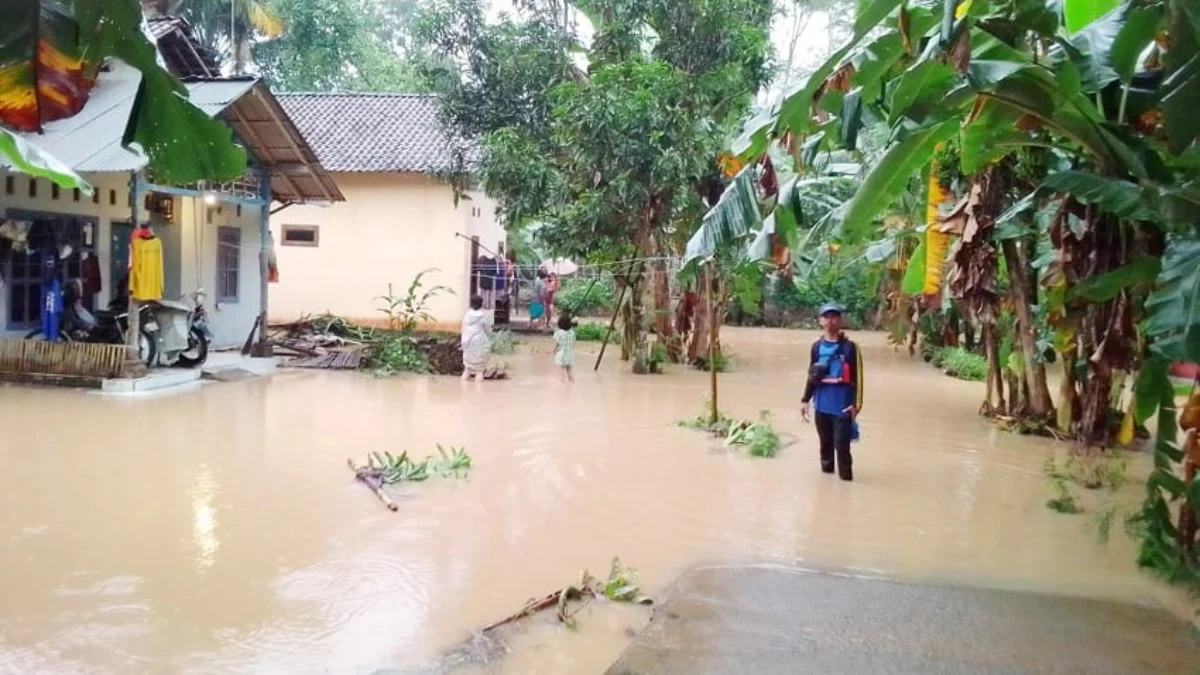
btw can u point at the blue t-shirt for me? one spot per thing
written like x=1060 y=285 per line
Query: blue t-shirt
x=836 y=391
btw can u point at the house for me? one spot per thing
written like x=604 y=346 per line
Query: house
x=213 y=236
x=388 y=155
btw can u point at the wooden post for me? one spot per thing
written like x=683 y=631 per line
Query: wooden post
x=712 y=342
x=134 y=322
x=613 y=323
x=263 y=348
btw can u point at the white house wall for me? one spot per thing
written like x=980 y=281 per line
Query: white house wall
x=196 y=230
x=189 y=246
x=109 y=187
x=391 y=227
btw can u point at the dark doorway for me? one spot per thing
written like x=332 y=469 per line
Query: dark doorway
x=119 y=255
x=48 y=235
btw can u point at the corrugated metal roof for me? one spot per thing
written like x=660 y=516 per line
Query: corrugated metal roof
x=213 y=96
x=90 y=142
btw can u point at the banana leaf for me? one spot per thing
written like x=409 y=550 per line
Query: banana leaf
x=43 y=77
x=1173 y=311
x=1079 y=14
x=731 y=219
x=913 y=282
x=889 y=177
x=28 y=158
x=1119 y=197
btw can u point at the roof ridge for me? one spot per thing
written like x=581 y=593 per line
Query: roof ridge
x=362 y=94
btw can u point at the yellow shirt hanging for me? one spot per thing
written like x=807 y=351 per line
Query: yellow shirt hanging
x=146 y=270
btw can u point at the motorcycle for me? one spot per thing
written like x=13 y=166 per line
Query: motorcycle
x=180 y=330
x=109 y=326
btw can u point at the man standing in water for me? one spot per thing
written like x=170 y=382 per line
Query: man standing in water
x=835 y=382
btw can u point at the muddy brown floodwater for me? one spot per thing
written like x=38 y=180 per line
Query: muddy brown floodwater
x=219 y=531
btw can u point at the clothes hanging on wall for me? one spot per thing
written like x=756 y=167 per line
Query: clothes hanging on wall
x=146 y=268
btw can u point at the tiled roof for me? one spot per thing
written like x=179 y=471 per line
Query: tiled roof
x=371 y=132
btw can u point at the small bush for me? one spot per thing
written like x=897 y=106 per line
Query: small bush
x=504 y=343
x=575 y=298
x=965 y=365
x=397 y=353
x=593 y=332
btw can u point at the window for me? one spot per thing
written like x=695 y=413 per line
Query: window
x=32 y=187
x=229 y=244
x=96 y=196
x=112 y=197
x=301 y=235
x=76 y=195
x=10 y=184
x=54 y=191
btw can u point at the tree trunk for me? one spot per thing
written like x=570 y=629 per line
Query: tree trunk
x=1020 y=273
x=663 y=315
x=1068 y=404
x=994 y=377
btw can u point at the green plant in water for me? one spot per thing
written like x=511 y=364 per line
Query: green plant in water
x=759 y=438
x=965 y=365
x=622 y=585
x=405 y=312
x=504 y=343
x=397 y=353
x=703 y=421
x=452 y=463
x=1063 y=501
x=724 y=362
x=593 y=332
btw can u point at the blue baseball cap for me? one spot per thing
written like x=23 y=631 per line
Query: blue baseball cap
x=829 y=308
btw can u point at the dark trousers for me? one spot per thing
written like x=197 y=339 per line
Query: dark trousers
x=834 y=431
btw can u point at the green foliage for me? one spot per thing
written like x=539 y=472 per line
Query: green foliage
x=450 y=462
x=759 y=438
x=1063 y=501
x=960 y=363
x=582 y=298
x=504 y=343
x=342 y=45
x=405 y=312
x=622 y=585
x=28 y=158
x=397 y=353
x=703 y=421
x=844 y=277
x=593 y=332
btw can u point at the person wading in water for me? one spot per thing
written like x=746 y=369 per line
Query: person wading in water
x=835 y=382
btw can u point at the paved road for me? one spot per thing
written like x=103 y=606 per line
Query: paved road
x=775 y=620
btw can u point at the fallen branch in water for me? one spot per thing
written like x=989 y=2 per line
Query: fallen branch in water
x=374 y=480
x=621 y=586
x=558 y=599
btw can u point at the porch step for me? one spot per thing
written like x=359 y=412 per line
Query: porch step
x=157 y=378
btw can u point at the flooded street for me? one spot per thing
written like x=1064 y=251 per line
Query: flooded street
x=219 y=530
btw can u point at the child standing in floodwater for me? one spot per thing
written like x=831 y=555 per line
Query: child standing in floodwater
x=564 y=347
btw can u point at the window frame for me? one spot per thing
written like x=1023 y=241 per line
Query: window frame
x=284 y=230
x=229 y=245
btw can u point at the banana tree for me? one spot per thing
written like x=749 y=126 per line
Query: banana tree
x=1106 y=92
x=50 y=55
x=228 y=26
